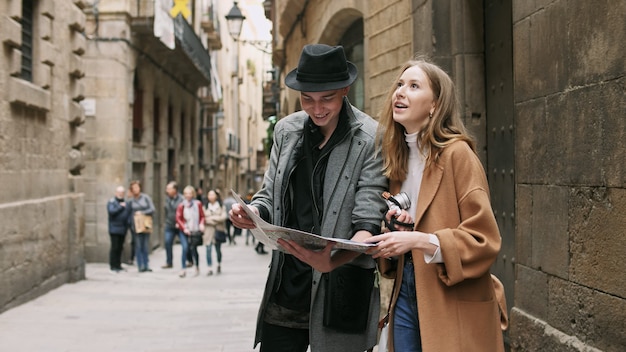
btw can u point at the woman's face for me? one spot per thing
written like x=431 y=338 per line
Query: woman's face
x=135 y=189
x=413 y=100
x=188 y=194
x=212 y=196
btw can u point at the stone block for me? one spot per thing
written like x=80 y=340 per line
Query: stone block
x=77 y=137
x=598 y=244
x=594 y=317
x=523 y=9
x=523 y=233
x=76 y=114
x=76 y=66
x=531 y=291
x=42 y=76
x=14 y=9
x=34 y=254
x=531 y=334
x=546 y=73
x=75 y=18
x=10 y=32
x=592 y=41
x=609 y=107
x=47 y=9
x=540 y=157
x=79 y=43
x=47 y=52
x=550 y=238
x=45 y=27
x=25 y=93
x=14 y=62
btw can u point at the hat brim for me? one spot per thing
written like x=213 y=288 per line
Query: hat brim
x=293 y=83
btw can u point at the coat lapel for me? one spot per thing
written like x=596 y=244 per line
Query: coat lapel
x=430 y=184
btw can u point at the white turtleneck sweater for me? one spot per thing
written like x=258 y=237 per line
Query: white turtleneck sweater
x=412 y=184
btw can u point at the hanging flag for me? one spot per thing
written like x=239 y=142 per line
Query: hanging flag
x=180 y=6
x=163 y=23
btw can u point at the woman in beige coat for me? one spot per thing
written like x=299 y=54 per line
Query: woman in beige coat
x=214 y=231
x=443 y=297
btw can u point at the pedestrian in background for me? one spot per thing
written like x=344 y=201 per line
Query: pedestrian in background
x=443 y=297
x=140 y=204
x=214 y=231
x=173 y=199
x=228 y=204
x=190 y=220
x=201 y=196
x=118 y=227
x=324 y=177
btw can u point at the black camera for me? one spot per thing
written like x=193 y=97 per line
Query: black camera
x=398 y=203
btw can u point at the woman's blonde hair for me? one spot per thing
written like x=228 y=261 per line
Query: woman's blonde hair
x=190 y=188
x=443 y=128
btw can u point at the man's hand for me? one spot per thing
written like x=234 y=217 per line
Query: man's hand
x=240 y=219
x=318 y=260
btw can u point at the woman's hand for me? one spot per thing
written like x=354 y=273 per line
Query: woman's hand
x=397 y=243
x=240 y=219
x=201 y=227
x=404 y=217
x=318 y=260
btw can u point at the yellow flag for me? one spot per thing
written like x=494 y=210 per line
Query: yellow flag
x=180 y=6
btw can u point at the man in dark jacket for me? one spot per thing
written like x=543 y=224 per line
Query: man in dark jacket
x=118 y=226
x=171 y=228
x=324 y=177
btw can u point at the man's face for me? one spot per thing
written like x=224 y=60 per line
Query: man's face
x=119 y=193
x=170 y=191
x=324 y=107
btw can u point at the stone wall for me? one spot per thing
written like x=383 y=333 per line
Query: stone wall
x=570 y=107
x=41 y=142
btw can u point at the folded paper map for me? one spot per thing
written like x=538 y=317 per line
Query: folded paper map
x=269 y=234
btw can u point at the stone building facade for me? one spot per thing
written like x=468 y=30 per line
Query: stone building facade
x=148 y=106
x=243 y=70
x=541 y=85
x=42 y=138
x=94 y=95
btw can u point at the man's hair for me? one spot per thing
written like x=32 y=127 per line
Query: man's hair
x=173 y=184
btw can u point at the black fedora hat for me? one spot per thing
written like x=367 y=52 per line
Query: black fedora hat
x=321 y=68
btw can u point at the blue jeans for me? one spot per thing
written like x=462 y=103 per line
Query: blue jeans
x=406 y=326
x=169 y=243
x=184 y=243
x=218 y=251
x=143 y=242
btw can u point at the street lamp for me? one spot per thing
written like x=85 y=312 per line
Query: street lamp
x=235 y=21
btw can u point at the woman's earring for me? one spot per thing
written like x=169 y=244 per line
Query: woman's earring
x=430 y=114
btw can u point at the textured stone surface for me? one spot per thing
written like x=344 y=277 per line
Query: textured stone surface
x=41 y=236
x=550 y=240
x=595 y=318
x=598 y=244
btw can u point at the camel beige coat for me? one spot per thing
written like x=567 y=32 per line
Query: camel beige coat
x=457 y=305
x=214 y=219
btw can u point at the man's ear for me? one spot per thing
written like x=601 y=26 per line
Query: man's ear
x=345 y=91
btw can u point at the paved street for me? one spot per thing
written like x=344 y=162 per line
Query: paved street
x=155 y=311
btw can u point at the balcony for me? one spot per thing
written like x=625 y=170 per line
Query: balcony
x=189 y=61
x=210 y=26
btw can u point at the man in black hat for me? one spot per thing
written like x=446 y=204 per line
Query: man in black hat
x=324 y=177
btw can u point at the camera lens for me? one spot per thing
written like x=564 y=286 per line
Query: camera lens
x=403 y=200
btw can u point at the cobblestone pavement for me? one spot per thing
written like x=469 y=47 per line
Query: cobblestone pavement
x=157 y=311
